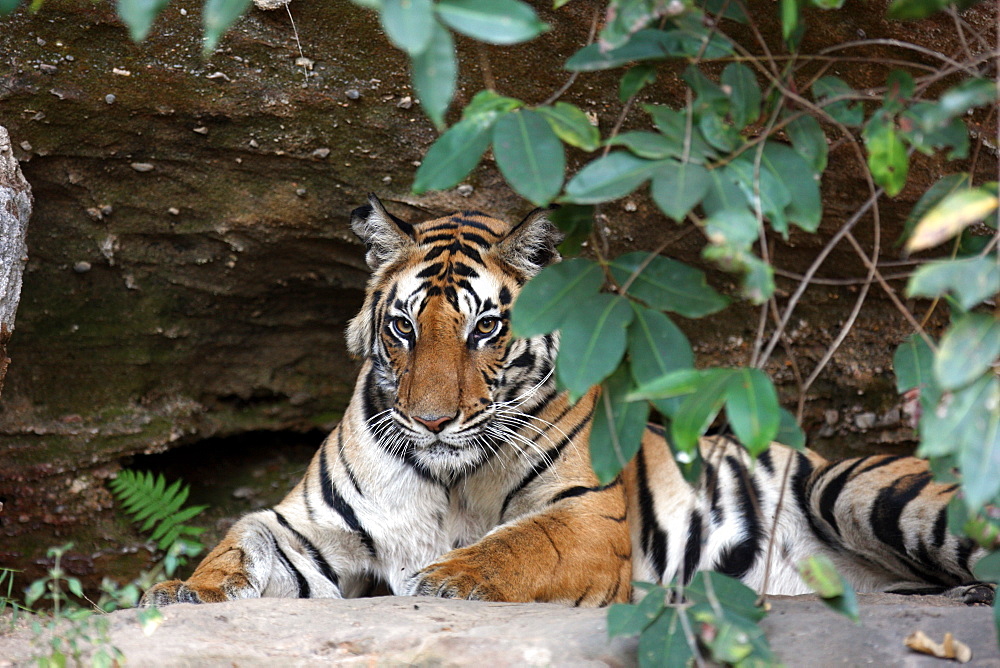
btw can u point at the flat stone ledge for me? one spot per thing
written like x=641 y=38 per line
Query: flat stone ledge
x=422 y=631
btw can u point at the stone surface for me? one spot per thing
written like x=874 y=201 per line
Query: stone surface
x=15 y=209
x=436 y=632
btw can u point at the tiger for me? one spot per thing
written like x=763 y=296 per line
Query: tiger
x=461 y=470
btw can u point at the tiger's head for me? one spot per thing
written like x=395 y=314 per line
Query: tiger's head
x=447 y=381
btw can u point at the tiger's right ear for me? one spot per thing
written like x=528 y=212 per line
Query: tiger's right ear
x=383 y=233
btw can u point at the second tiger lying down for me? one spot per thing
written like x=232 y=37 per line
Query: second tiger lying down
x=460 y=471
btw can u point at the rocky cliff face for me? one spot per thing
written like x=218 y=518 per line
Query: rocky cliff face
x=191 y=269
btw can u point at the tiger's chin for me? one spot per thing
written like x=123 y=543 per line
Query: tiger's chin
x=447 y=461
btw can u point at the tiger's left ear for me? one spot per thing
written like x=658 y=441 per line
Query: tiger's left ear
x=383 y=233
x=531 y=245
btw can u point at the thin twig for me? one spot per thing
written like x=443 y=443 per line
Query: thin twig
x=572 y=77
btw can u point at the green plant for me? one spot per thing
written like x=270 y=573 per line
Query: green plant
x=160 y=508
x=7 y=600
x=73 y=626
x=70 y=628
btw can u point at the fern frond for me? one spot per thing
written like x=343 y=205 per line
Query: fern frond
x=148 y=499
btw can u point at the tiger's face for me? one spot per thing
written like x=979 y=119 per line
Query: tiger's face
x=436 y=330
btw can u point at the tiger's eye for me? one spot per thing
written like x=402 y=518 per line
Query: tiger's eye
x=487 y=326
x=402 y=326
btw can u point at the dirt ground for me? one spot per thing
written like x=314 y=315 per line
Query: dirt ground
x=433 y=632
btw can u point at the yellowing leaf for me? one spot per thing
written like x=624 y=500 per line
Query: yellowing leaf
x=953 y=214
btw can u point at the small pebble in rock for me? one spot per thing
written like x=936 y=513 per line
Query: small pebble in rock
x=405 y=103
x=301 y=192
x=107 y=209
x=630 y=206
x=81 y=267
x=48 y=69
x=141 y=166
x=184 y=12
x=95 y=214
x=352 y=93
x=386 y=179
x=465 y=190
x=321 y=153
x=110 y=98
x=218 y=75
x=70 y=59
x=25 y=146
x=201 y=129
x=39 y=41
x=253 y=143
x=174 y=211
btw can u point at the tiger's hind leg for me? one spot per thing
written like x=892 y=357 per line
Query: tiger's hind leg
x=890 y=518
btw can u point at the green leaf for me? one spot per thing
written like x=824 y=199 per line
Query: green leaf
x=914 y=9
x=649 y=145
x=138 y=15
x=950 y=216
x=216 y=17
x=492 y=21
x=667 y=284
x=656 y=348
x=969 y=347
x=725 y=9
x=75 y=587
x=738 y=600
x=434 y=72
x=699 y=409
x=617 y=428
x=635 y=80
x=649 y=44
x=554 y=292
x=758 y=276
x=752 y=409
x=843 y=111
x=487 y=106
x=723 y=193
x=789 y=18
x=627 y=619
x=937 y=192
x=575 y=222
x=663 y=644
x=958 y=420
x=709 y=97
x=672 y=384
x=744 y=94
x=673 y=125
x=409 y=24
x=453 y=155
x=8 y=6
x=987 y=569
x=609 y=177
x=913 y=364
x=809 y=141
x=792 y=170
x=789 y=431
x=819 y=573
x=529 y=155
x=979 y=456
x=828 y=4
x=679 y=187
x=571 y=125
x=732 y=227
x=887 y=158
x=957 y=101
x=761 y=188
x=972 y=280
x=592 y=342
x=719 y=132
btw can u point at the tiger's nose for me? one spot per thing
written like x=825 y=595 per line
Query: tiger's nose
x=434 y=423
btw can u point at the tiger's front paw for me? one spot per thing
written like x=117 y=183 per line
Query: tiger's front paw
x=175 y=591
x=455 y=578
